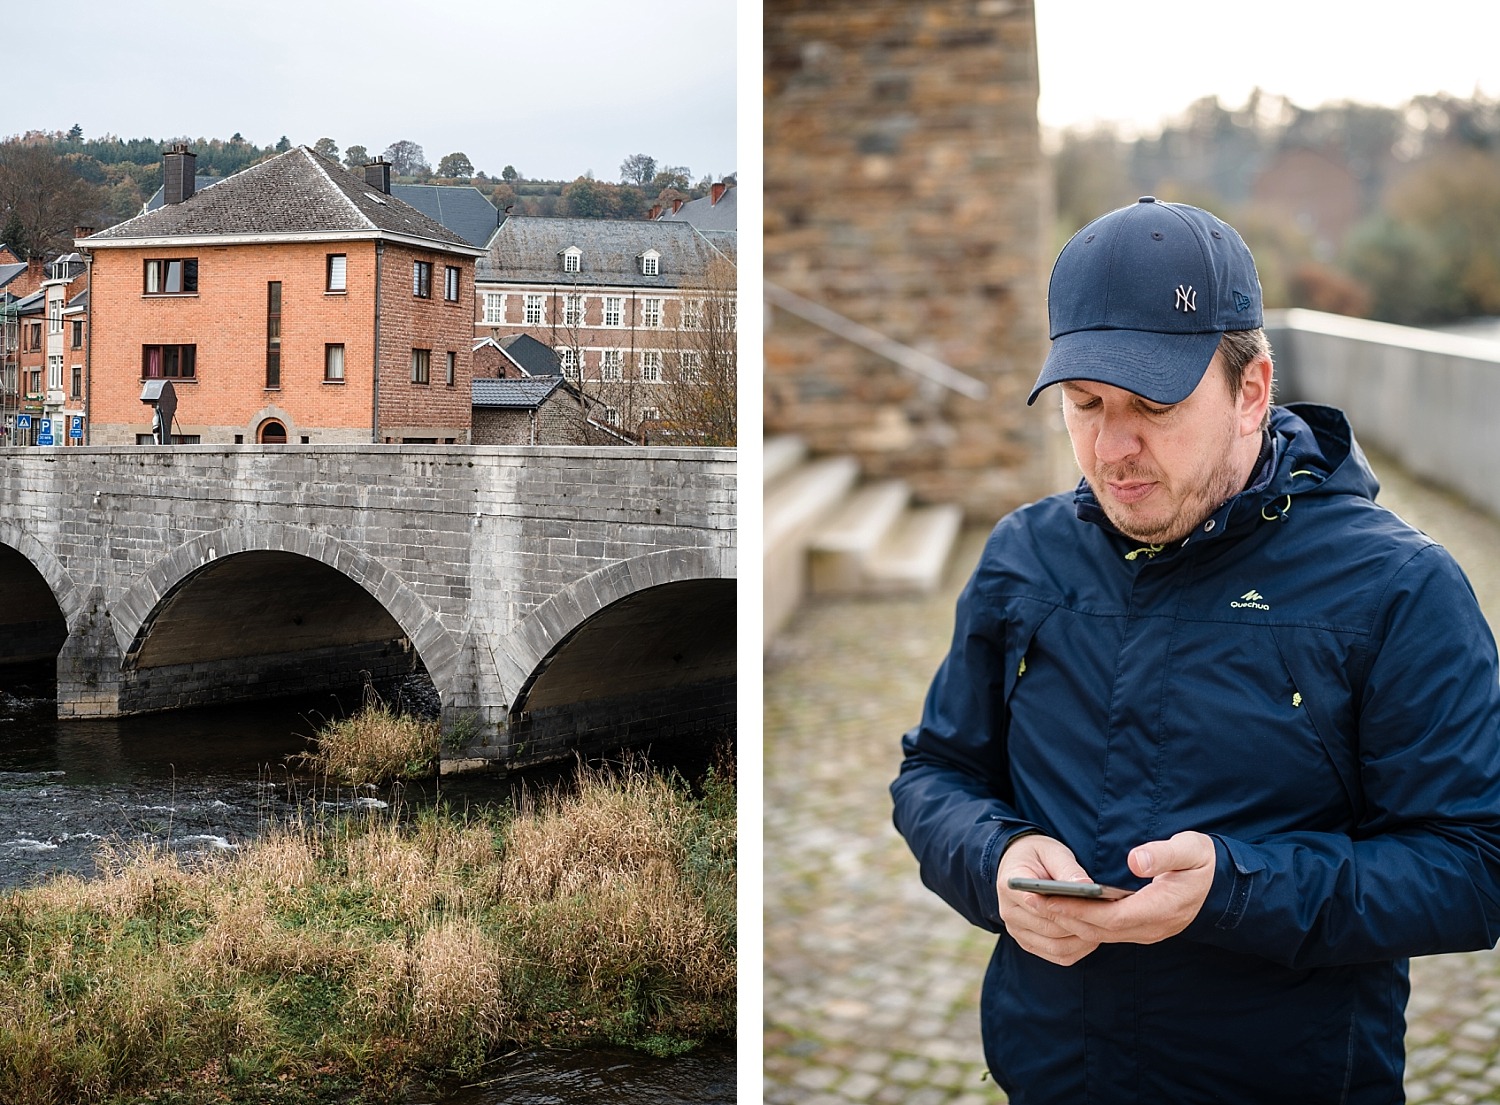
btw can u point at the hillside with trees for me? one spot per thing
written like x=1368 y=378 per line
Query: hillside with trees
x=52 y=182
x=1386 y=213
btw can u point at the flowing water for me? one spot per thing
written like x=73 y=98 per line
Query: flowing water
x=209 y=780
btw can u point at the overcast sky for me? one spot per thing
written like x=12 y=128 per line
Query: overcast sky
x=1141 y=63
x=554 y=88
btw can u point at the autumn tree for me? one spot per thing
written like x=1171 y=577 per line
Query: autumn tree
x=456 y=166
x=43 y=197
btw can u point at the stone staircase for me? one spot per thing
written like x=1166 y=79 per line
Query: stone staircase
x=826 y=532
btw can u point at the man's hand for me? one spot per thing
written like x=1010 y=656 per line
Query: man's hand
x=1181 y=871
x=1025 y=914
x=1064 y=930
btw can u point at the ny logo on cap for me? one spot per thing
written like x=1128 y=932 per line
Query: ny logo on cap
x=1187 y=299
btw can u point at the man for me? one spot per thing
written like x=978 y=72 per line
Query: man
x=1220 y=676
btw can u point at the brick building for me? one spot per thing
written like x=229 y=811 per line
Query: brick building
x=289 y=302
x=43 y=327
x=626 y=304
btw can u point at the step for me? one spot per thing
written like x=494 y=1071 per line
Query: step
x=791 y=510
x=842 y=546
x=779 y=455
x=915 y=556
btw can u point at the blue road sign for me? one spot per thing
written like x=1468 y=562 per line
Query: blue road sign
x=44 y=432
x=75 y=427
x=23 y=421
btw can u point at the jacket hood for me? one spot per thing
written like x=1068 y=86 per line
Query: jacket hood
x=1313 y=452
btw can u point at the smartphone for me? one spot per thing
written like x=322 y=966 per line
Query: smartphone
x=1070 y=889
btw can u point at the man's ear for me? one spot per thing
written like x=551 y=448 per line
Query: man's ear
x=1255 y=394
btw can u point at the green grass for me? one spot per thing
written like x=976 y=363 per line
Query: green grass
x=371 y=956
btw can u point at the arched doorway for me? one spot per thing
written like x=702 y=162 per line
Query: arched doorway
x=271 y=432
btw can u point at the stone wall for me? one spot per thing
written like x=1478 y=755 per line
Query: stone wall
x=905 y=189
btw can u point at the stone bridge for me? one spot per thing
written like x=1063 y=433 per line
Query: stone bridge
x=558 y=598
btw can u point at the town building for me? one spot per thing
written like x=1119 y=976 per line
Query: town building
x=628 y=305
x=43 y=323
x=292 y=301
x=522 y=398
x=716 y=212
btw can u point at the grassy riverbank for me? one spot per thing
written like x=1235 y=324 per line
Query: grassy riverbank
x=373 y=953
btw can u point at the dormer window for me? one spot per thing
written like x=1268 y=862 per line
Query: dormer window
x=572 y=259
x=650 y=263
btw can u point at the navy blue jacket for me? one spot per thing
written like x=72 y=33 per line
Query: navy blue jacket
x=1307 y=679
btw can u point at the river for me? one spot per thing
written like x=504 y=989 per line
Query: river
x=203 y=781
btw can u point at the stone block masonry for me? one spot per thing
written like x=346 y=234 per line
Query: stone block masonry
x=189 y=574
x=905 y=189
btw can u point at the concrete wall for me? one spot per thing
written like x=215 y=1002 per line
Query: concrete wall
x=1428 y=400
x=487 y=559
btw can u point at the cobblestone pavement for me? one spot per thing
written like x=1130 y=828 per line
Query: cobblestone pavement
x=871 y=985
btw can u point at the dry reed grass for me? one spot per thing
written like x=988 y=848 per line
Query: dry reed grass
x=374 y=950
x=376 y=745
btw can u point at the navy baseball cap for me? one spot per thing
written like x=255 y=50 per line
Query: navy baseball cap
x=1140 y=297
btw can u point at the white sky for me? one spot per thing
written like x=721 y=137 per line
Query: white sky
x=1143 y=63
x=554 y=87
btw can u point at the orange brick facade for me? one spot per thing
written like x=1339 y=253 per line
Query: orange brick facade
x=230 y=398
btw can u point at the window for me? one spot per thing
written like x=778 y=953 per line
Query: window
x=650 y=414
x=535 y=308
x=333 y=363
x=77 y=390
x=421 y=366
x=54 y=372
x=450 y=375
x=611 y=361
x=271 y=432
x=614 y=310
x=651 y=313
x=54 y=316
x=273 y=334
x=421 y=279
x=450 y=283
x=573 y=310
x=77 y=334
x=651 y=366
x=692 y=314
x=36 y=336
x=572 y=259
x=172 y=277
x=178 y=362
x=651 y=263
x=338 y=272
x=569 y=363
x=692 y=367
x=494 y=308
x=612 y=416
x=34 y=383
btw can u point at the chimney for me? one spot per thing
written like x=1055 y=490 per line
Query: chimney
x=716 y=193
x=179 y=174
x=378 y=175
x=676 y=206
x=654 y=213
x=82 y=231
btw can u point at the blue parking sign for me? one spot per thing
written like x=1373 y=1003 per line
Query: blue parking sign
x=44 y=432
x=75 y=427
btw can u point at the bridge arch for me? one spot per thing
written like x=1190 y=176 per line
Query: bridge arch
x=40 y=602
x=638 y=649
x=163 y=590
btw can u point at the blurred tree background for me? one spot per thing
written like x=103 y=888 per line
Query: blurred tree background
x=1390 y=213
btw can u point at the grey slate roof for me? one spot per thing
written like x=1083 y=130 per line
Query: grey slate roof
x=297 y=192
x=524 y=394
x=462 y=208
x=533 y=357
x=10 y=272
x=528 y=249
x=706 y=215
x=159 y=196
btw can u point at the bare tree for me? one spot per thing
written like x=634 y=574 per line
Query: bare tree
x=43 y=196
x=697 y=401
x=407 y=158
